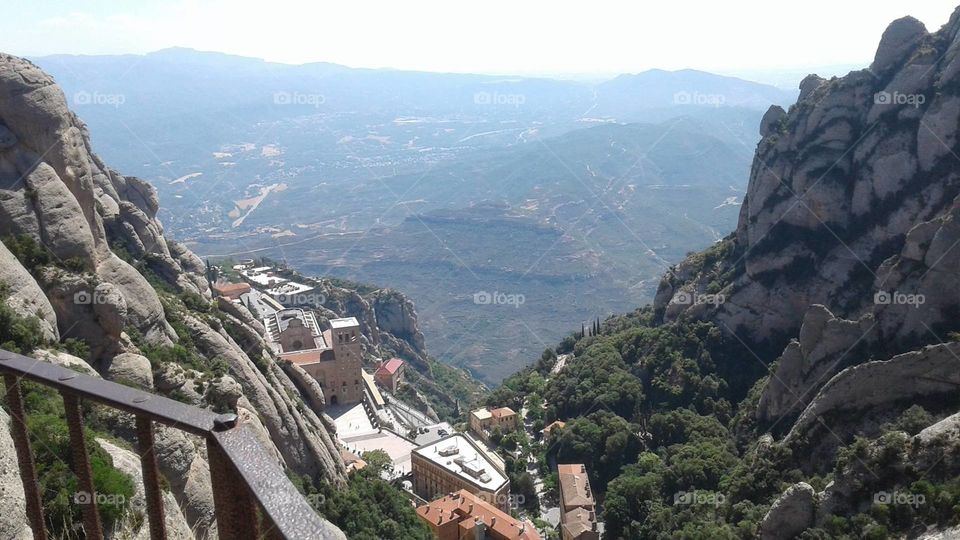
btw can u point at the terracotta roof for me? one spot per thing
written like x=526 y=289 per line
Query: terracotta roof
x=231 y=289
x=464 y=508
x=482 y=414
x=307 y=357
x=502 y=411
x=574 y=485
x=578 y=521
x=553 y=425
x=390 y=367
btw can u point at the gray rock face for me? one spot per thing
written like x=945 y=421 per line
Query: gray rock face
x=299 y=435
x=129 y=527
x=899 y=39
x=808 y=363
x=771 y=120
x=860 y=162
x=792 y=513
x=54 y=189
x=14 y=523
x=396 y=315
x=184 y=465
x=223 y=393
x=7 y=138
x=25 y=297
x=927 y=372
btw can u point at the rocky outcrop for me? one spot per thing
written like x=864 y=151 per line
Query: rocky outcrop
x=934 y=453
x=853 y=168
x=924 y=373
x=396 y=315
x=135 y=526
x=24 y=296
x=846 y=263
x=899 y=40
x=792 y=513
x=297 y=433
x=808 y=363
x=182 y=461
x=14 y=524
x=100 y=231
x=131 y=368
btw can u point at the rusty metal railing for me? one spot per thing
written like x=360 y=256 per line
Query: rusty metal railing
x=253 y=497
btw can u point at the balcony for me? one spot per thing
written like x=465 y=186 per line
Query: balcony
x=252 y=495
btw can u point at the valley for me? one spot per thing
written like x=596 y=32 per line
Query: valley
x=575 y=196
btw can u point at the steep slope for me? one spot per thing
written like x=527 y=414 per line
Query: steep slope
x=852 y=204
x=846 y=242
x=797 y=379
x=65 y=217
x=845 y=181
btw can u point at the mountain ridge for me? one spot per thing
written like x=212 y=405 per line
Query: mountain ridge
x=799 y=376
x=90 y=281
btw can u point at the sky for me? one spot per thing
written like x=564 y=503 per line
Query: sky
x=489 y=36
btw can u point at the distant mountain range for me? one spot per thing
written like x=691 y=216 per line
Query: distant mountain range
x=440 y=185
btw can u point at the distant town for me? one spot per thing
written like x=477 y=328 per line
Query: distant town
x=454 y=475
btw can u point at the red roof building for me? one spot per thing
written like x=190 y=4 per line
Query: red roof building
x=464 y=516
x=390 y=374
x=231 y=291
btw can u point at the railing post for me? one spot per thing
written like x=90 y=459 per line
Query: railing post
x=81 y=467
x=28 y=469
x=236 y=513
x=151 y=478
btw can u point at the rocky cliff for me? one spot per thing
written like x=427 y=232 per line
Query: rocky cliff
x=842 y=274
x=84 y=253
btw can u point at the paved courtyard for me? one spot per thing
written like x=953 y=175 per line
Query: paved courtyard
x=358 y=435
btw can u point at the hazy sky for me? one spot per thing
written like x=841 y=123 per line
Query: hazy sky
x=495 y=36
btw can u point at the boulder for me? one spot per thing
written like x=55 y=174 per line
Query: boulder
x=771 y=120
x=131 y=368
x=169 y=377
x=899 y=40
x=188 y=473
x=223 y=393
x=65 y=360
x=792 y=513
x=110 y=308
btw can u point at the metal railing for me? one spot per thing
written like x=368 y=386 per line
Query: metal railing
x=253 y=498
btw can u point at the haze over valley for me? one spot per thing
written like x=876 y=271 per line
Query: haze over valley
x=572 y=196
